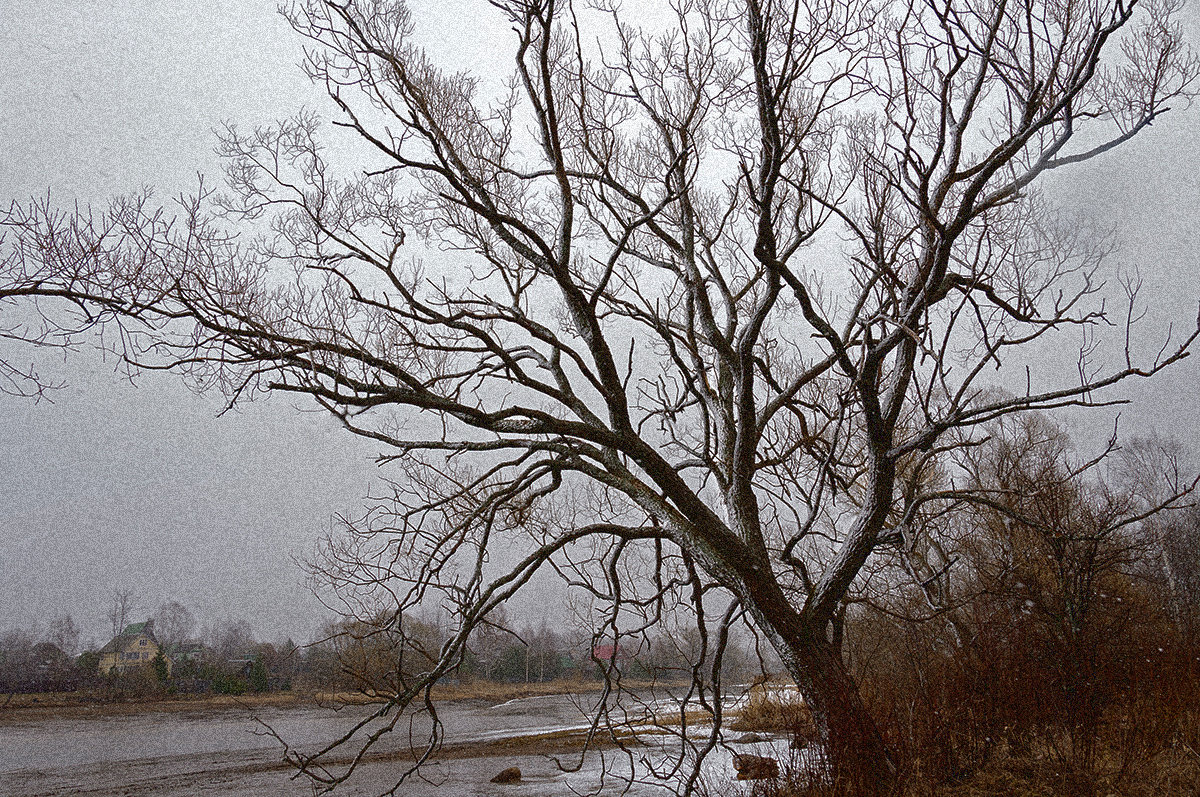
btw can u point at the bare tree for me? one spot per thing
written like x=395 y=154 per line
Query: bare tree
x=703 y=305
x=64 y=634
x=174 y=624
x=378 y=655
x=229 y=638
x=120 y=608
x=1179 y=541
x=1155 y=468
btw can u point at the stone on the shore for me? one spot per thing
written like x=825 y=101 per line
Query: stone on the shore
x=510 y=775
x=755 y=767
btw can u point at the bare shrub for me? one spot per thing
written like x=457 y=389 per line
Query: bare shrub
x=1049 y=656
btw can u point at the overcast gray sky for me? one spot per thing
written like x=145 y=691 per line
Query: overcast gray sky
x=145 y=488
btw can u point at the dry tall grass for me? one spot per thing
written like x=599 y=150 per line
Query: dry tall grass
x=774 y=707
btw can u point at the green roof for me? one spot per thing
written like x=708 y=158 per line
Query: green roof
x=131 y=630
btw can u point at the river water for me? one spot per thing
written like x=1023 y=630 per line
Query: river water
x=228 y=752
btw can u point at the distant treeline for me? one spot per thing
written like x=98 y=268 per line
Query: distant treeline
x=373 y=655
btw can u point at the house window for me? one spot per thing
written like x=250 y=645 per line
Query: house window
x=142 y=642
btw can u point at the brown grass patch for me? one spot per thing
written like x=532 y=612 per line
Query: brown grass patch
x=777 y=708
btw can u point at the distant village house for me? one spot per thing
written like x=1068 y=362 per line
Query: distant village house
x=133 y=648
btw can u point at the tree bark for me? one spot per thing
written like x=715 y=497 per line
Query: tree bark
x=857 y=754
x=859 y=758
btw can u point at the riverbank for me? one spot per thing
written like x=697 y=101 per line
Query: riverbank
x=28 y=707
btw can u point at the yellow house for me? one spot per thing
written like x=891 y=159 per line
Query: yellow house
x=132 y=648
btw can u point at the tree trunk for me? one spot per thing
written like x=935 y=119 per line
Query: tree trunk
x=858 y=756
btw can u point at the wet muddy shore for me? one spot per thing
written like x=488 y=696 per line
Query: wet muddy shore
x=188 y=748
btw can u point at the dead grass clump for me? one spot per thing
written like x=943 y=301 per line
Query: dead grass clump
x=775 y=708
